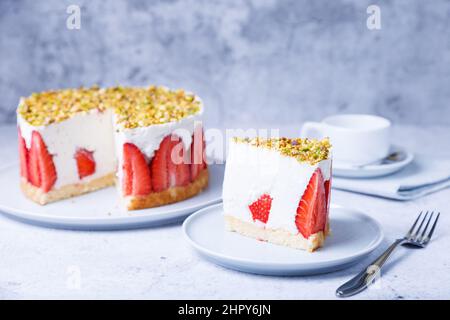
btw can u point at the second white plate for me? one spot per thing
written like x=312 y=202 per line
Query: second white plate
x=353 y=236
x=100 y=210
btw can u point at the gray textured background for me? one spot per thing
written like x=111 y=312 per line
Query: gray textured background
x=260 y=63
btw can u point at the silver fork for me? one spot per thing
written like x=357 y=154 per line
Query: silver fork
x=416 y=237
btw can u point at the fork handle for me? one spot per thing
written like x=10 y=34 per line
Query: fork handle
x=368 y=275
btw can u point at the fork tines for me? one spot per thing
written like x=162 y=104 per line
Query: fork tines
x=419 y=234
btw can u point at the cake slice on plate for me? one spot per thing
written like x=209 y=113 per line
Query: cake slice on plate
x=149 y=141
x=278 y=190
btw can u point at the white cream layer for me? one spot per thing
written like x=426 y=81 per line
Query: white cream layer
x=91 y=131
x=253 y=171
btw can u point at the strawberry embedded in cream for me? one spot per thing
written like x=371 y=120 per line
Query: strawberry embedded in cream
x=37 y=165
x=260 y=209
x=159 y=166
x=178 y=164
x=312 y=209
x=198 y=156
x=85 y=162
x=23 y=156
x=137 y=179
x=278 y=190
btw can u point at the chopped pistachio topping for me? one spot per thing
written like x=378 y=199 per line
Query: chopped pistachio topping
x=134 y=107
x=137 y=107
x=303 y=149
x=48 y=107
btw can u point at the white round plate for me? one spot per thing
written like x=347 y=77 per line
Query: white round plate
x=100 y=210
x=375 y=170
x=353 y=236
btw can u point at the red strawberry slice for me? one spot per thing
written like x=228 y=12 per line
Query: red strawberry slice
x=142 y=183
x=177 y=164
x=159 y=169
x=204 y=164
x=312 y=211
x=23 y=156
x=195 y=170
x=327 y=186
x=260 y=209
x=127 y=167
x=328 y=189
x=85 y=162
x=137 y=178
x=42 y=171
x=34 y=176
x=183 y=174
x=197 y=152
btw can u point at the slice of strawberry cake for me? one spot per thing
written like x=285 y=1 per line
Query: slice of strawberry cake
x=278 y=190
x=149 y=141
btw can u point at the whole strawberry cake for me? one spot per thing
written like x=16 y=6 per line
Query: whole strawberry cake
x=278 y=190
x=147 y=141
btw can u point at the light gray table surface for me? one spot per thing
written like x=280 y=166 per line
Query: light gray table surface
x=156 y=263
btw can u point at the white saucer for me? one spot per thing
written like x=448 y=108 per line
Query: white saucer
x=100 y=210
x=375 y=170
x=353 y=236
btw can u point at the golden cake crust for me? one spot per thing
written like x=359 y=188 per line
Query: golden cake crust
x=277 y=236
x=170 y=195
x=155 y=199
x=67 y=191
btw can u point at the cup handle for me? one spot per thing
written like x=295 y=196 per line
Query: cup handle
x=312 y=130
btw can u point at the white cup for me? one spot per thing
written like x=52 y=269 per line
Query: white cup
x=357 y=139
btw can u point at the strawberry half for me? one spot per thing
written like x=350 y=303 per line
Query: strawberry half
x=312 y=209
x=34 y=176
x=197 y=152
x=127 y=168
x=136 y=178
x=328 y=190
x=159 y=169
x=204 y=164
x=177 y=164
x=23 y=156
x=42 y=171
x=327 y=186
x=85 y=162
x=260 y=209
